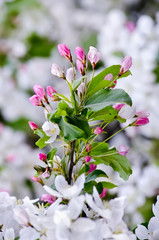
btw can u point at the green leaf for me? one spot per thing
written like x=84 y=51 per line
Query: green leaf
x=64 y=106
x=118 y=162
x=81 y=122
x=76 y=83
x=19 y=124
x=95 y=174
x=107 y=114
x=98 y=148
x=70 y=131
x=41 y=142
x=88 y=187
x=51 y=154
x=106 y=97
x=84 y=169
x=108 y=185
x=115 y=69
x=40 y=133
x=102 y=84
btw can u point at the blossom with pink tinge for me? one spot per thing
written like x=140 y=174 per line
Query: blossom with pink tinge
x=125 y=65
x=33 y=125
x=140 y=121
x=92 y=167
x=56 y=71
x=40 y=92
x=93 y=56
x=11 y=158
x=50 y=91
x=81 y=88
x=80 y=67
x=88 y=147
x=48 y=198
x=98 y=130
x=42 y=156
x=130 y=26
x=142 y=113
x=80 y=54
x=104 y=193
x=36 y=100
x=65 y=51
x=46 y=174
x=70 y=75
x=118 y=106
x=123 y=150
x=87 y=158
x=109 y=77
x=35 y=179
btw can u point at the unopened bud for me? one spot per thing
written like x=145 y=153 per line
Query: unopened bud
x=40 y=92
x=98 y=130
x=80 y=67
x=33 y=125
x=56 y=71
x=125 y=65
x=36 y=101
x=65 y=51
x=93 y=56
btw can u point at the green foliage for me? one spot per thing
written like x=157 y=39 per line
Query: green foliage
x=38 y=46
x=69 y=131
x=43 y=138
x=108 y=114
x=95 y=174
x=51 y=154
x=98 y=81
x=106 y=97
x=20 y=124
x=118 y=162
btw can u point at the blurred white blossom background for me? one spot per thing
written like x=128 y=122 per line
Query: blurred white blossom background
x=29 y=34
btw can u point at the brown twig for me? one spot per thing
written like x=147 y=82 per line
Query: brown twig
x=71 y=162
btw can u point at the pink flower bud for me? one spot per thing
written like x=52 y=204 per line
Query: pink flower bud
x=92 y=167
x=48 y=198
x=80 y=67
x=50 y=91
x=130 y=26
x=33 y=126
x=98 y=130
x=141 y=121
x=35 y=179
x=109 y=77
x=87 y=158
x=142 y=113
x=36 y=100
x=40 y=92
x=118 y=106
x=65 y=51
x=42 y=156
x=80 y=54
x=56 y=71
x=70 y=75
x=88 y=147
x=125 y=65
x=123 y=150
x=93 y=56
x=104 y=193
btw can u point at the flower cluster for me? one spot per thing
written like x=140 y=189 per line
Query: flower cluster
x=77 y=197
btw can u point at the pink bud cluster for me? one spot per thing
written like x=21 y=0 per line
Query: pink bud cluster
x=127 y=112
x=40 y=96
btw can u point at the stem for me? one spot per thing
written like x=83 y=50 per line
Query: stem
x=71 y=162
x=90 y=80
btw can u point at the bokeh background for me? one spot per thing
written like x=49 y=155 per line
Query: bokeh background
x=29 y=33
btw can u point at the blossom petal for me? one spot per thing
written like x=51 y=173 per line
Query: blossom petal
x=141 y=232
